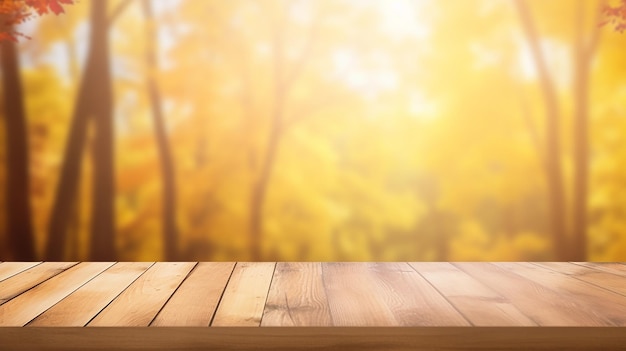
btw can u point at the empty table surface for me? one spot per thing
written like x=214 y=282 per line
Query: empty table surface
x=314 y=295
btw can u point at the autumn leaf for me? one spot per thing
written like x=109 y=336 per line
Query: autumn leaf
x=616 y=16
x=56 y=7
x=19 y=11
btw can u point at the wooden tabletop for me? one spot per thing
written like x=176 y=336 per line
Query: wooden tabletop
x=312 y=295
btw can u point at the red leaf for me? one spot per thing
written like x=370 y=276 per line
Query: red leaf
x=55 y=7
x=6 y=36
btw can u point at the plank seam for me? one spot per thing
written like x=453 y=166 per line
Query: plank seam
x=219 y=301
x=618 y=273
x=116 y=296
x=522 y=310
x=267 y=294
x=41 y=282
x=582 y=280
x=578 y=304
x=441 y=294
x=330 y=312
x=16 y=273
x=70 y=293
x=173 y=292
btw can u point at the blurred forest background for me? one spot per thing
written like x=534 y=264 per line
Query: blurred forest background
x=332 y=130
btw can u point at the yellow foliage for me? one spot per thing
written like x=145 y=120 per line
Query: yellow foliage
x=379 y=130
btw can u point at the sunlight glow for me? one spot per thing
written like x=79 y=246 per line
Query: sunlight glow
x=421 y=107
x=370 y=81
x=557 y=57
x=399 y=18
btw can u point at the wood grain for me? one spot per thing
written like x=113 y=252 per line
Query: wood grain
x=17 y=284
x=297 y=296
x=195 y=301
x=141 y=301
x=609 y=267
x=601 y=279
x=33 y=302
x=81 y=306
x=245 y=295
x=477 y=302
x=354 y=296
x=543 y=304
x=583 y=295
x=313 y=294
x=384 y=294
x=9 y=269
x=323 y=339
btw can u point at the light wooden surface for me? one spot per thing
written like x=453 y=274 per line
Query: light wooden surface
x=297 y=296
x=481 y=305
x=313 y=338
x=93 y=297
x=143 y=299
x=312 y=294
x=197 y=297
x=245 y=295
x=364 y=299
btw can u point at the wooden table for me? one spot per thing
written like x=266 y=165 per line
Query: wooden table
x=312 y=305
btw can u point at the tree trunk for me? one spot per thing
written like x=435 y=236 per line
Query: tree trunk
x=259 y=190
x=554 y=173
x=582 y=55
x=170 y=232
x=87 y=103
x=103 y=214
x=579 y=211
x=19 y=216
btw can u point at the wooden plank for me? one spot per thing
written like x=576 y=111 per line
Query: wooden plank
x=297 y=296
x=609 y=306
x=141 y=301
x=563 y=267
x=478 y=303
x=245 y=295
x=543 y=304
x=385 y=294
x=413 y=301
x=354 y=296
x=609 y=267
x=195 y=301
x=35 y=301
x=17 y=284
x=82 y=305
x=613 y=282
x=9 y=269
x=323 y=339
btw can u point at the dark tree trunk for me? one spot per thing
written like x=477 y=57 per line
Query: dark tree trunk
x=103 y=214
x=554 y=173
x=19 y=216
x=66 y=193
x=93 y=93
x=170 y=231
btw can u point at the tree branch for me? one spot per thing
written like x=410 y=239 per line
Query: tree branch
x=592 y=44
x=307 y=110
x=532 y=127
x=121 y=6
x=300 y=63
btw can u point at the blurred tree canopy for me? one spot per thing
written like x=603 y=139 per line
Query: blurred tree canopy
x=314 y=130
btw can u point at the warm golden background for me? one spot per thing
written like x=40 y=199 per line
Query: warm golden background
x=341 y=130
